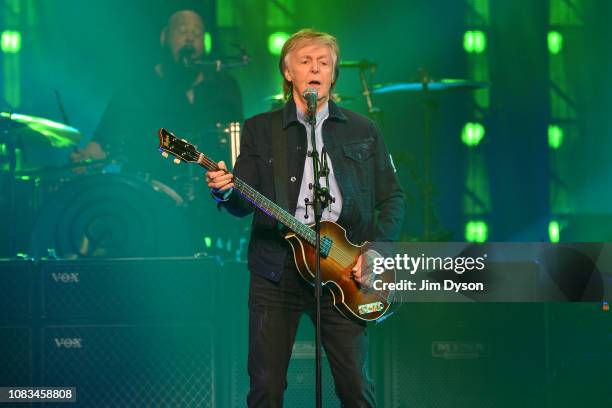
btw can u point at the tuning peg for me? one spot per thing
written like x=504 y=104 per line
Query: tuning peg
x=184 y=140
x=165 y=154
x=177 y=161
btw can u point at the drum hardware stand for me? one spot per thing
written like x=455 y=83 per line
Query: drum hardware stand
x=60 y=106
x=8 y=139
x=429 y=217
x=374 y=112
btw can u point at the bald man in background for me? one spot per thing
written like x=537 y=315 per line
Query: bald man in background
x=174 y=94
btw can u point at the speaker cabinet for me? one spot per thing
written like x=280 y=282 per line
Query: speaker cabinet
x=15 y=356
x=131 y=366
x=580 y=355
x=459 y=355
x=16 y=289
x=300 y=390
x=301 y=378
x=129 y=289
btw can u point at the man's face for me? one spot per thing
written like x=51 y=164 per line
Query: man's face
x=184 y=36
x=311 y=66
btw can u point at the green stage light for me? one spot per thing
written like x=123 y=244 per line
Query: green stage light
x=555 y=42
x=276 y=41
x=555 y=136
x=474 y=41
x=476 y=231
x=554 y=231
x=207 y=242
x=11 y=41
x=472 y=133
x=207 y=43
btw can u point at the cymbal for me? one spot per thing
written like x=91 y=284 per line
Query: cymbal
x=39 y=131
x=361 y=64
x=57 y=171
x=441 y=85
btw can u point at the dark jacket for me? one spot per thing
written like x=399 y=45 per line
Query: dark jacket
x=373 y=201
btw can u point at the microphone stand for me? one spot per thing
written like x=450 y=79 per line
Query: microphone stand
x=320 y=201
x=222 y=64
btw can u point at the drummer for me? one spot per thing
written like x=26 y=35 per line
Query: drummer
x=172 y=94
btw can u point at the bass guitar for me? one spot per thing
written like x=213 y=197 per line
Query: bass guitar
x=338 y=254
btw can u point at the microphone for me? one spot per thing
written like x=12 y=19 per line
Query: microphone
x=186 y=55
x=310 y=94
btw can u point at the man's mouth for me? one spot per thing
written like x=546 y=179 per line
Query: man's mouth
x=314 y=83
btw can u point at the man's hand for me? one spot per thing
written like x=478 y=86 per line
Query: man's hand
x=362 y=272
x=92 y=151
x=220 y=181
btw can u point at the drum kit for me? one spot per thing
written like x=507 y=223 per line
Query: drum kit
x=87 y=209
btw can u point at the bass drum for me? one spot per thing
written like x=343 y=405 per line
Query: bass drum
x=111 y=216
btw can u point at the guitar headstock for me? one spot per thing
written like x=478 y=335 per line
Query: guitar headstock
x=179 y=148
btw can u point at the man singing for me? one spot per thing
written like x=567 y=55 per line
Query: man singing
x=367 y=201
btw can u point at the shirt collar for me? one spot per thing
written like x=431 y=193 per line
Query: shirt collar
x=290 y=114
x=321 y=115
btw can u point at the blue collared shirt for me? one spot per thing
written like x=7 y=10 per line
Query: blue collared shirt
x=332 y=212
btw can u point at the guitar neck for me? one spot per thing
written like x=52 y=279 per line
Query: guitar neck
x=266 y=205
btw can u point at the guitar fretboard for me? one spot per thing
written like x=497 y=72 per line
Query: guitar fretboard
x=273 y=210
x=266 y=205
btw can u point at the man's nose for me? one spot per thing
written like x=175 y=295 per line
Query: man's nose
x=314 y=67
x=189 y=36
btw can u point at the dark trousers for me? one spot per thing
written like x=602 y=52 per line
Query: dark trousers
x=274 y=314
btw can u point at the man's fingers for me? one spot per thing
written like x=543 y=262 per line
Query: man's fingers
x=357 y=269
x=357 y=265
x=362 y=277
x=225 y=187
x=213 y=174
x=221 y=188
x=221 y=177
x=218 y=176
x=220 y=185
x=77 y=156
x=220 y=180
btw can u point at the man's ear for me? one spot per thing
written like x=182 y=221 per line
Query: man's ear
x=162 y=37
x=287 y=74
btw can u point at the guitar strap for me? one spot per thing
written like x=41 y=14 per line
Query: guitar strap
x=279 y=153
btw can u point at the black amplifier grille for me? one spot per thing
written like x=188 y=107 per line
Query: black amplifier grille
x=153 y=288
x=15 y=289
x=131 y=366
